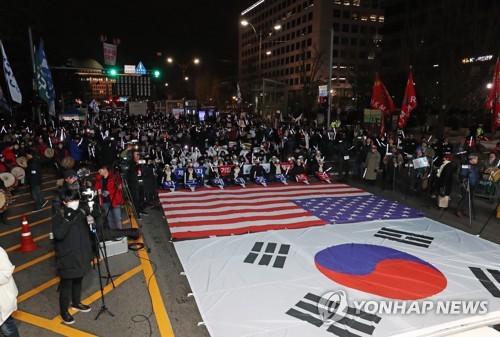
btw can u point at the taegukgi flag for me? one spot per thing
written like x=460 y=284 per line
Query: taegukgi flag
x=14 y=90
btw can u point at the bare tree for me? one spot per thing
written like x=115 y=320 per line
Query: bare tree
x=309 y=77
x=437 y=39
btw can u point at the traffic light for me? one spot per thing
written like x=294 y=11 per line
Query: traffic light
x=156 y=73
x=113 y=72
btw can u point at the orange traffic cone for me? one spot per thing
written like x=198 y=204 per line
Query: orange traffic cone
x=27 y=244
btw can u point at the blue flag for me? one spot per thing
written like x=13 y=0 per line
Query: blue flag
x=44 y=78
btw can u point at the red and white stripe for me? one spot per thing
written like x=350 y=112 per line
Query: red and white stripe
x=209 y=212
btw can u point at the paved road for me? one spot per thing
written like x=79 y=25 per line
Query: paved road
x=150 y=297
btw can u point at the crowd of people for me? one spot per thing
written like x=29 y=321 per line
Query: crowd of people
x=139 y=155
x=155 y=151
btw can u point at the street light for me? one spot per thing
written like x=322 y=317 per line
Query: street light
x=258 y=35
x=329 y=109
x=245 y=23
x=184 y=66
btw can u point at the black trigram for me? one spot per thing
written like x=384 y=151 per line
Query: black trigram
x=353 y=323
x=486 y=281
x=268 y=255
x=405 y=237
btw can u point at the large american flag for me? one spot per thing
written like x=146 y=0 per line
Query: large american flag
x=236 y=210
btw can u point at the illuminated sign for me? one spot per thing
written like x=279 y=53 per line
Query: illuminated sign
x=140 y=69
x=477 y=59
x=129 y=69
x=323 y=89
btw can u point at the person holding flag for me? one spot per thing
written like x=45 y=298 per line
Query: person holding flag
x=409 y=102
x=493 y=101
x=382 y=101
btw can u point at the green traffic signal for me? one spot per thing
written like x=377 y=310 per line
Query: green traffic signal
x=156 y=73
x=113 y=72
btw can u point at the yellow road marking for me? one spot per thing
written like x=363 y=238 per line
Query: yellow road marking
x=26 y=214
x=37 y=290
x=35 y=261
x=38 y=238
x=161 y=315
x=97 y=295
x=26 y=203
x=21 y=227
x=48 y=324
x=42 y=287
x=29 y=193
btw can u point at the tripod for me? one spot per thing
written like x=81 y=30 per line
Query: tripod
x=408 y=175
x=470 y=203
x=129 y=201
x=98 y=248
x=466 y=193
x=128 y=197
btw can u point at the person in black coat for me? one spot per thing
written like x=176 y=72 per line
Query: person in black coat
x=73 y=251
x=34 y=179
x=299 y=170
x=135 y=179
x=445 y=182
x=257 y=171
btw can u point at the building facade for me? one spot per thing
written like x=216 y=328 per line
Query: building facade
x=298 y=53
x=452 y=46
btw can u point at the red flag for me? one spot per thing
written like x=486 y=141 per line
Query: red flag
x=409 y=102
x=493 y=101
x=381 y=100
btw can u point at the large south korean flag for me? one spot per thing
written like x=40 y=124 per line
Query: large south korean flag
x=412 y=277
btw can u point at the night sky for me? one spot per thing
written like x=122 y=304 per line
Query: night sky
x=182 y=29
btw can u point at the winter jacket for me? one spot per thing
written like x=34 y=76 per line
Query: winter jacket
x=74 y=150
x=8 y=289
x=372 y=164
x=34 y=172
x=72 y=243
x=114 y=187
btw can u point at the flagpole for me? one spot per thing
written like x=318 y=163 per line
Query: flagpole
x=35 y=107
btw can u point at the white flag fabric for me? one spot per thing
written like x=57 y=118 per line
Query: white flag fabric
x=14 y=90
x=405 y=277
x=238 y=94
x=94 y=106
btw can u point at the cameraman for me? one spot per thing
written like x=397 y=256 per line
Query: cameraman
x=70 y=225
x=135 y=180
x=109 y=188
x=468 y=178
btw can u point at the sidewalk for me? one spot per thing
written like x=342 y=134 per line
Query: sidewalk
x=483 y=209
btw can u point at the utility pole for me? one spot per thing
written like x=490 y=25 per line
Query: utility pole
x=329 y=110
